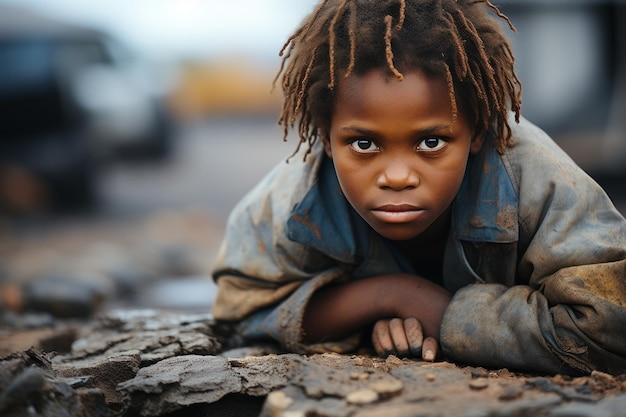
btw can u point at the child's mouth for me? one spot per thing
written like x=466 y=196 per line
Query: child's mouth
x=402 y=213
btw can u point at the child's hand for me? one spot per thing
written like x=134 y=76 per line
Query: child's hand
x=342 y=310
x=403 y=338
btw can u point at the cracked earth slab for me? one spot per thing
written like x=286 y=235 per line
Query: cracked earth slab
x=153 y=363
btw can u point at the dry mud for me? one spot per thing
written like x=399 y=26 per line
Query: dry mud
x=104 y=359
x=155 y=363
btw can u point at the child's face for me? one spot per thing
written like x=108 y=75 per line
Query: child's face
x=398 y=152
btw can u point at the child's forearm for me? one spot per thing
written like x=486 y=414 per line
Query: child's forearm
x=342 y=310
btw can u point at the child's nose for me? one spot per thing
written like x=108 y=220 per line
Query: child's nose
x=398 y=175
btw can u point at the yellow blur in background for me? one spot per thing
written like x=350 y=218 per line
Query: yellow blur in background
x=228 y=86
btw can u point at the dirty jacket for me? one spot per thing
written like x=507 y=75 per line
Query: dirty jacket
x=535 y=259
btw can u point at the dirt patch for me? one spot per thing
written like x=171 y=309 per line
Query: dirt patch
x=126 y=357
x=159 y=363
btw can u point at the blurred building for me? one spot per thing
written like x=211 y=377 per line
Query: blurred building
x=571 y=58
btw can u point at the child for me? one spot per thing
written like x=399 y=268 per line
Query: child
x=422 y=210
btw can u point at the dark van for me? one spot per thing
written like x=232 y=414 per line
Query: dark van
x=67 y=100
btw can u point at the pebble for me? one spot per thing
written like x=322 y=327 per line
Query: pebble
x=294 y=413
x=363 y=396
x=511 y=393
x=393 y=360
x=387 y=387
x=479 y=373
x=604 y=379
x=479 y=383
x=356 y=376
x=278 y=400
x=66 y=296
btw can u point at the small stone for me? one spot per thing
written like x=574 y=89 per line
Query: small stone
x=361 y=397
x=583 y=380
x=294 y=413
x=357 y=376
x=67 y=296
x=479 y=383
x=511 y=393
x=430 y=377
x=479 y=373
x=278 y=401
x=393 y=360
x=502 y=373
x=386 y=388
x=603 y=378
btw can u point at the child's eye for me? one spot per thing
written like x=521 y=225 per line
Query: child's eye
x=431 y=144
x=364 y=146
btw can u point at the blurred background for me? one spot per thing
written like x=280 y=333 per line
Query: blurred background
x=128 y=130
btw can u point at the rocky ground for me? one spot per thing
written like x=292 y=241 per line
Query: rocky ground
x=114 y=320
x=108 y=316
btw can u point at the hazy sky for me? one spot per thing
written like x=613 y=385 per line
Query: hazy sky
x=197 y=27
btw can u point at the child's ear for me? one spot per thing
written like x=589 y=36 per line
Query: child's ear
x=477 y=142
x=327 y=148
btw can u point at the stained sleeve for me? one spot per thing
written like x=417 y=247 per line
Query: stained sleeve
x=567 y=311
x=264 y=279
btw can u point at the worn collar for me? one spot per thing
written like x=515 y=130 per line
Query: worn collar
x=485 y=210
x=486 y=207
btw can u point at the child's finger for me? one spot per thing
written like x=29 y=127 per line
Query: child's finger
x=398 y=336
x=430 y=348
x=414 y=335
x=381 y=338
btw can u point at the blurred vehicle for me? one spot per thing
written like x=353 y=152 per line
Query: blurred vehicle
x=571 y=59
x=69 y=97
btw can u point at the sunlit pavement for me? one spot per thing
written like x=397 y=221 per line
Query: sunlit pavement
x=214 y=163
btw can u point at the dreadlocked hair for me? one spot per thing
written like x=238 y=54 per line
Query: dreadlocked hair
x=459 y=40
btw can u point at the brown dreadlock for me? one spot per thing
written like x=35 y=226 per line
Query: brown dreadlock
x=456 y=39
